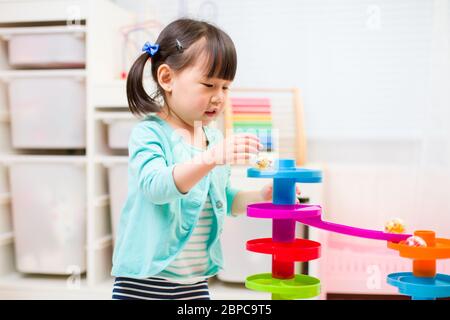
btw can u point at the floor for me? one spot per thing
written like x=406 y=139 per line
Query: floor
x=220 y=290
x=20 y=286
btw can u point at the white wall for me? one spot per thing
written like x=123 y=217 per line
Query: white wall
x=364 y=66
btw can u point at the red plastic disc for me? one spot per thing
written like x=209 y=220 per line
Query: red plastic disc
x=300 y=250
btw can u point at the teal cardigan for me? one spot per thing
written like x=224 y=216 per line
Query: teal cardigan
x=157 y=219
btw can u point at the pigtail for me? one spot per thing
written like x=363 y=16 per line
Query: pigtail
x=139 y=102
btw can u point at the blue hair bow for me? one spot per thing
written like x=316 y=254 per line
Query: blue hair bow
x=151 y=49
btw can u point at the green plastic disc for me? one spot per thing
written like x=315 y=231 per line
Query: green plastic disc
x=299 y=287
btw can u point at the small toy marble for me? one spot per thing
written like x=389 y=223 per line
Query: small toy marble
x=394 y=226
x=263 y=162
x=415 y=241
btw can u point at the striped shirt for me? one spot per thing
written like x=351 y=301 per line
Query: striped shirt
x=192 y=263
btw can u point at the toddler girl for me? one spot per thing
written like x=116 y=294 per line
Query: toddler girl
x=178 y=176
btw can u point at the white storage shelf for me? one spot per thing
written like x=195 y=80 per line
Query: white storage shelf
x=53 y=156
x=117 y=178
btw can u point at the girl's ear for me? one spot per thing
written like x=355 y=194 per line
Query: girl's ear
x=165 y=77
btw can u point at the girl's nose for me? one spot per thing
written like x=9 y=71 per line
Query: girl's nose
x=216 y=100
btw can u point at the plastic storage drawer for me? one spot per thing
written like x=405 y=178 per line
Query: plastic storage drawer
x=119 y=131
x=45 y=47
x=48 y=112
x=118 y=188
x=49 y=218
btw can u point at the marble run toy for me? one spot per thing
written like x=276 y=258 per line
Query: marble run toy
x=286 y=249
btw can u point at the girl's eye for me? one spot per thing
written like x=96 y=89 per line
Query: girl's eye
x=207 y=85
x=225 y=88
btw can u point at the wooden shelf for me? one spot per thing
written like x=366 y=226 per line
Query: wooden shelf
x=5 y=198
x=6 y=238
x=4 y=117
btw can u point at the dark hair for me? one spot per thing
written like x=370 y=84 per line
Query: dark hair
x=174 y=41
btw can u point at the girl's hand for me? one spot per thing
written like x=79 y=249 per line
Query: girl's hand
x=236 y=149
x=267 y=190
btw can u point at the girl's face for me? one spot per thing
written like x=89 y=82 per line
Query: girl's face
x=195 y=97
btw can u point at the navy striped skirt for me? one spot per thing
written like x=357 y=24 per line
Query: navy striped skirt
x=158 y=289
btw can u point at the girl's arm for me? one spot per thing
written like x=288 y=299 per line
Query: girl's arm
x=237 y=147
x=188 y=174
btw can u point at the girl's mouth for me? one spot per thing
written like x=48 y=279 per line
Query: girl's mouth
x=211 y=113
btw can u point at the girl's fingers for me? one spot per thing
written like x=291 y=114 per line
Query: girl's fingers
x=246 y=136
x=245 y=140
x=246 y=149
x=248 y=140
x=254 y=144
x=241 y=157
